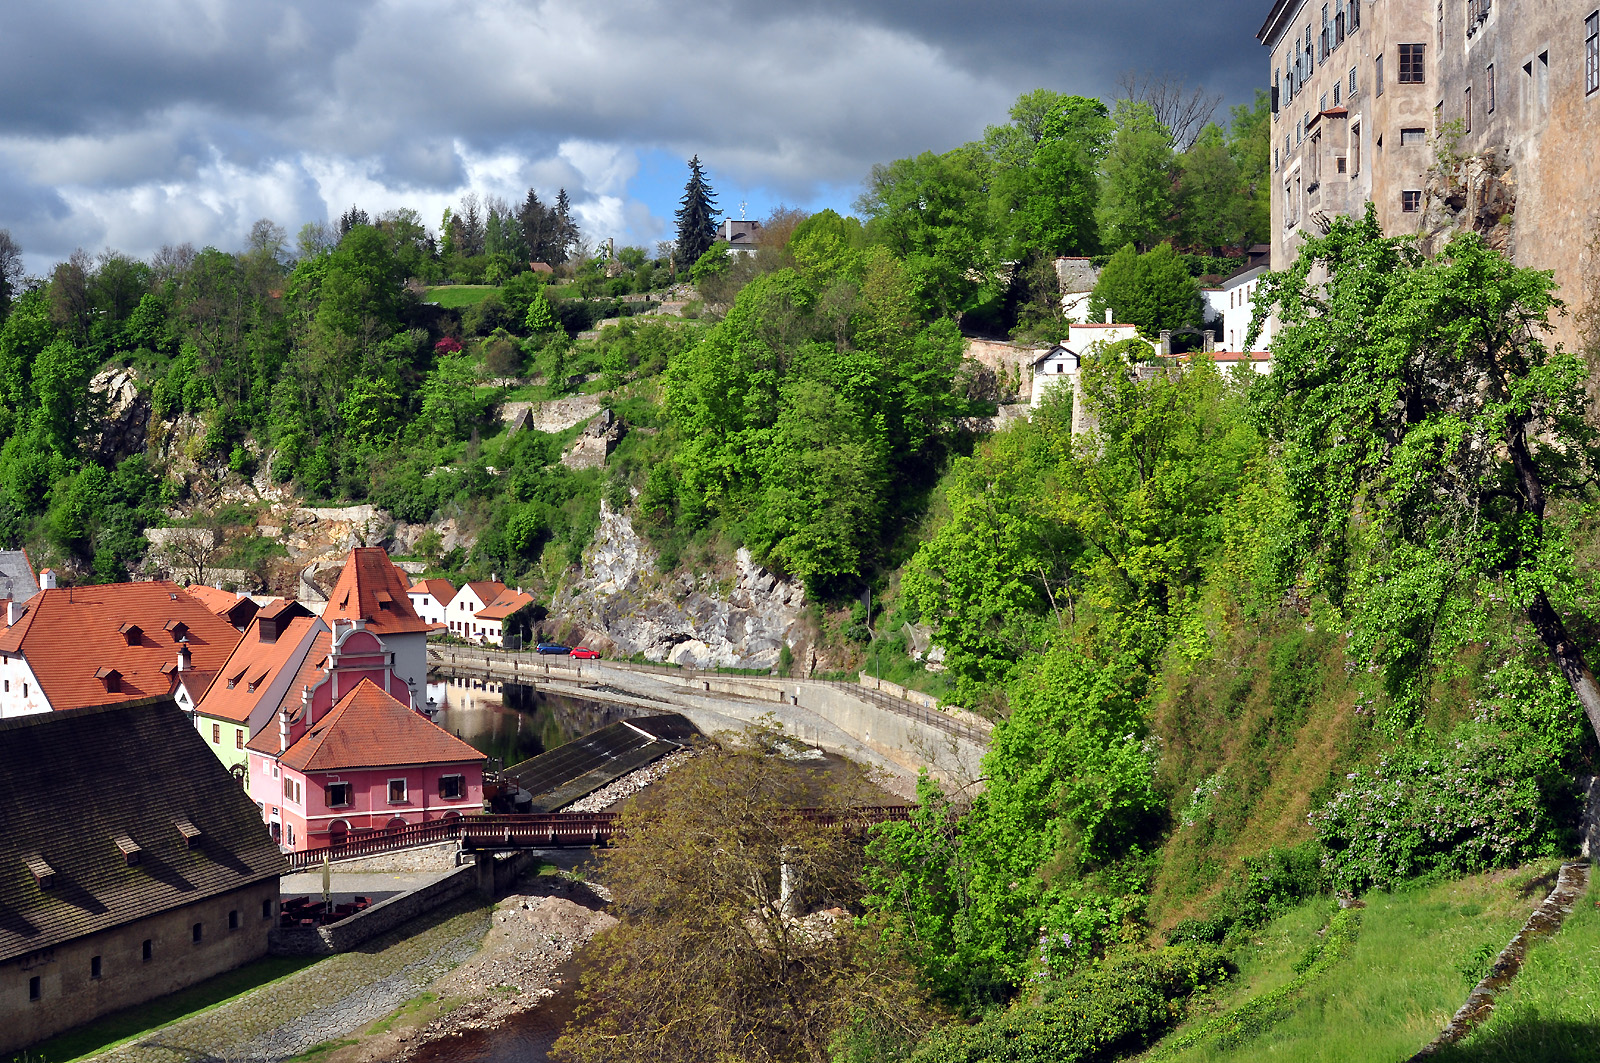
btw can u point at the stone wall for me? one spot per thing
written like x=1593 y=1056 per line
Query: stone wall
x=70 y=995
x=487 y=875
x=439 y=857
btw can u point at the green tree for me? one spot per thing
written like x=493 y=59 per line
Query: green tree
x=1433 y=447
x=1136 y=201
x=1214 y=202
x=697 y=216
x=932 y=211
x=61 y=394
x=540 y=319
x=1153 y=291
x=1250 y=144
x=450 y=401
x=1050 y=202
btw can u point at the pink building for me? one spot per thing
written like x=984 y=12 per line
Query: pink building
x=354 y=757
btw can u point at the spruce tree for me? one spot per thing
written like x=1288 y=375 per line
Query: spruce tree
x=697 y=217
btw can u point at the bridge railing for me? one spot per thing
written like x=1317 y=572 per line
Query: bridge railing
x=538 y=830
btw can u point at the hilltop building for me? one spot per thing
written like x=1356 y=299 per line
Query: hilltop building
x=135 y=866
x=1362 y=90
x=68 y=647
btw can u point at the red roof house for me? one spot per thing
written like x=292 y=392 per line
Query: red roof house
x=368 y=763
x=77 y=646
x=373 y=590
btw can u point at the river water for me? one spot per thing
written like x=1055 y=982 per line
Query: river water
x=511 y=722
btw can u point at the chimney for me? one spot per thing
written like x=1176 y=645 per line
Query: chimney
x=185 y=662
x=14 y=611
x=283 y=730
x=47 y=580
x=1109 y=319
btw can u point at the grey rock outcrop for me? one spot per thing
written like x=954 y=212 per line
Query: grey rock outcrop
x=125 y=420
x=742 y=622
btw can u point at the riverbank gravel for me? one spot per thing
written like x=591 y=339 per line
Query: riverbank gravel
x=630 y=784
x=331 y=999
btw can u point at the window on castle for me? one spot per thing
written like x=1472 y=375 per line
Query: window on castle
x=1411 y=68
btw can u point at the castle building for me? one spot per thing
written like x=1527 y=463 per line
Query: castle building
x=1474 y=114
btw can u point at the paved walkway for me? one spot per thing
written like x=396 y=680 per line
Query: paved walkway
x=374 y=885
x=330 y=999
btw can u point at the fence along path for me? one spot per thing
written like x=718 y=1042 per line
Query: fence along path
x=534 y=665
x=548 y=830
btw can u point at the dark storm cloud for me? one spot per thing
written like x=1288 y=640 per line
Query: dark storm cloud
x=186 y=119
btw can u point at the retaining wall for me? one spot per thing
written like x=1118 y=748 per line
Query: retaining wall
x=487 y=877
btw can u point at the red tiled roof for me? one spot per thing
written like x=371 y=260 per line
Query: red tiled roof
x=508 y=602
x=486 y=590
x=309 y=675
x=373 y=589
x=218 y=601
x=257 y=663
x=441 y=589
x=370 y=729
x=69 y=633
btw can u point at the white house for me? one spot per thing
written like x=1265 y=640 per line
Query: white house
x=1059 y=365
x=372 y=589
x=1237 y=307
x=462 y=615
x=431 y=599
x=492 y=618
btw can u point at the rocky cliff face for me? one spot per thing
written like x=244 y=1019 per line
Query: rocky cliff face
x=740 y=621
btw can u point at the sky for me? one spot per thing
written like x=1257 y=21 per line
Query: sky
x=130 y=126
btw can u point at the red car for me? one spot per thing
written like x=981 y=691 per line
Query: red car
x=584 y=653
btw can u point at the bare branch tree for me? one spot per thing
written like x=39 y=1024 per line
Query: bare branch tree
x=1183 y=111
x=10 y=266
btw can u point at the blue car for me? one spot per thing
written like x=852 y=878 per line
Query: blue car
x=553 y=647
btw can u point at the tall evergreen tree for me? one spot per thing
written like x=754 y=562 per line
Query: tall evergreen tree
x=697 y=217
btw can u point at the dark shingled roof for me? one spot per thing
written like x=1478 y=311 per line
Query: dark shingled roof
x=73 y=782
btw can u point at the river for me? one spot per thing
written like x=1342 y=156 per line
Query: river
x=511 y=722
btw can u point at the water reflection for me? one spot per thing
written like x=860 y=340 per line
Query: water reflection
x=512 y=722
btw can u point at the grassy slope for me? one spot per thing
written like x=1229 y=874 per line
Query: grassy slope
x=1417 y=956
x=1551 y=1012
x=455 y=296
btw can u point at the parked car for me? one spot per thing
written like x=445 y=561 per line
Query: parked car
x=553 y=647
x=584 y=653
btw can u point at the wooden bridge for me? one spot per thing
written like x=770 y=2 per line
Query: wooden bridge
x=547 y=830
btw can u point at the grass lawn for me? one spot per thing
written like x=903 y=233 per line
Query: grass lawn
x=135 y=1022
x=1551 y=1011
x=1415 y=959
x=454 y=296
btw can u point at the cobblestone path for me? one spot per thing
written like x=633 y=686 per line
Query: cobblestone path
x=330 y=999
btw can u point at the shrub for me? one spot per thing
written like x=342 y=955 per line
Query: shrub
x=1487 y=796
x=1263 y=887
x=1114 y=1010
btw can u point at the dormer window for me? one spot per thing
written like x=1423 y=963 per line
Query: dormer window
x=190 y=832
x=130 y=848
x=180 y=630
x=111 y=678
x=43 y=873
x=131 y=633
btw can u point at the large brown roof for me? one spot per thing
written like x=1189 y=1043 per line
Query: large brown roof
x=370 y=729
x=71 y=633
x=441 y=589
x=373 y=589
x=509 y=602
x=254 y=664
x=71 y=782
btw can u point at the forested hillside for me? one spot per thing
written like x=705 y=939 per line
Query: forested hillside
x=1249 y=641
